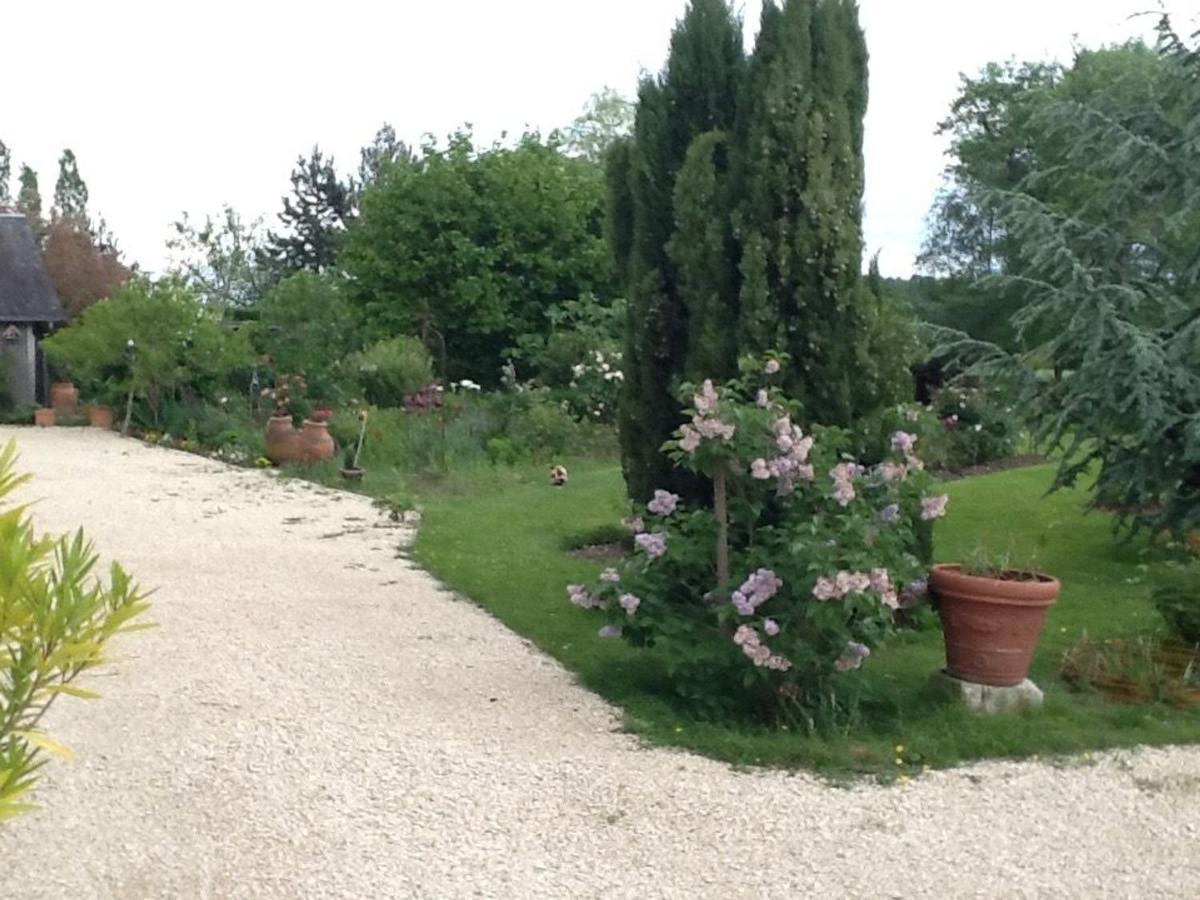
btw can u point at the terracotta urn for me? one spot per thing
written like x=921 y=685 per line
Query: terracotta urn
x=316 y=444
x=100 y=416
x=64 y=398
x=283 y=441
x=44 y=418
x=991 y=624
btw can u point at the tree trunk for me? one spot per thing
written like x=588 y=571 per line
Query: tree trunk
x=721 y=510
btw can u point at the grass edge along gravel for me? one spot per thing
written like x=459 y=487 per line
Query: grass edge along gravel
x=501 y=537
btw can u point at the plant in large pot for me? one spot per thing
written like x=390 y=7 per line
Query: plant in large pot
x=993 y=615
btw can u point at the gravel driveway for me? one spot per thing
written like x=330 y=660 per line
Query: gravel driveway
x=316 y=718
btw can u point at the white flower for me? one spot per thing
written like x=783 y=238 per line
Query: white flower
x=979 y=427
x=578 y=370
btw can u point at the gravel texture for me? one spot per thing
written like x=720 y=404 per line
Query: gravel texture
x=316 y=718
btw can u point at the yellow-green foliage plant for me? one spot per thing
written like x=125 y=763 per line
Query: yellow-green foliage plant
x=56 y=619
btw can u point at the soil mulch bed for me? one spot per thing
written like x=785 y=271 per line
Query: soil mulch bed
x=602 y=553
x=996 y=465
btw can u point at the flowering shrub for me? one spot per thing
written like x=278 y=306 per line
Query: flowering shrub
x=768 y=600
x=979 y=426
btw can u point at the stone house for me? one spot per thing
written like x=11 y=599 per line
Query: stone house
x=29 y=310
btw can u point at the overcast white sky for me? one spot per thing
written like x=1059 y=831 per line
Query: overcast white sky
x=174 y=106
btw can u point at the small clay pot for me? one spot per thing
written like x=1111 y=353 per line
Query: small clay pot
x=44 y=418
x=316 y=444
x=64 y=398
x=283 y=441
x=100 y=417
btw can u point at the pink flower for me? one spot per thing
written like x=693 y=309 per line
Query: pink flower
x=880 y=580
x=890 y=514
x=757 y=590
x=889 y=471
x=610 y=631
x=760 y=470
x=771 y=627
x=706 y=400
x=772 y=367
x=655 y=544
x=934 y=507
x=715 y=428
x=891 y=599
x=801 y=447
x=630 y=603
x=690 y=441
x=612 y=576
x=826 y=590
x=763 y=399
x=852 y=657
x=582 y=597
x=843 y=493
x=664 y=503
x=903 y=442
x=745 y=635
x=634 y=524
x=852 y=583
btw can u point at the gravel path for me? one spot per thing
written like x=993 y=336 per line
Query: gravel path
x=316 y=718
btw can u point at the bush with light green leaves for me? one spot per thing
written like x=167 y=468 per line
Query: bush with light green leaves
x=56 y=620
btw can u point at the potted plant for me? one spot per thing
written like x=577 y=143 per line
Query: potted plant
x=351 y=470
x=45 y=417
x=64 y=397
x=992 y=616
x=283 y=441
x=316 y=443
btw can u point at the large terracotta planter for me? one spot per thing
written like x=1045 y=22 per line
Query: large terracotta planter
x=991 y=625
x=316 y=444
x=283 y=441
x=44 y=418
x=100 y=416
x=64 y=398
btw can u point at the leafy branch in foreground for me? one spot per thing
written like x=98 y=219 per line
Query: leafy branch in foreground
x=56 y=620
x=1111 y=280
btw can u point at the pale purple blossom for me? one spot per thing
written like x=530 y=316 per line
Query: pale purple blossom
x=881 y=581
x=763 y=399
x=690 y=442
x=654 y=544
x=610 y=575
x=610 y=631
x=771 y=627
x=852 y=657
x=890 y=471
x=934 y=507
x=826 y=590
x=714 y=428
x=664 y=503
x=630 y=603
x=706 y=400
x=757 y=590
x=760 y=470
x=903 y=442
x=890 y=514
x=747 y=638
x=634 y=524
x=852 y=583
x=582 y=597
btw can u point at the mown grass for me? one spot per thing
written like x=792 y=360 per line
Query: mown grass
x=500 y=536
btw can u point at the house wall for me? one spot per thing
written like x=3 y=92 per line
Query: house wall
x=18 y=348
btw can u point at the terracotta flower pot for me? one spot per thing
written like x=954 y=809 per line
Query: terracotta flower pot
x=316 y=444
x=991 y=625
x=44 y=418
x=64 y=398
x=100 y=416
x=283 y=441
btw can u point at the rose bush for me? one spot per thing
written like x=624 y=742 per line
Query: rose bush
x=768 y=601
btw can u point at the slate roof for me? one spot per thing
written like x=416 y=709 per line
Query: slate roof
x=26 y=293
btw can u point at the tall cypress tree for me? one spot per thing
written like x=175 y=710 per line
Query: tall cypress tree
x=70 y=190
x=736 y=220
x=29 y=201
x=695 y=94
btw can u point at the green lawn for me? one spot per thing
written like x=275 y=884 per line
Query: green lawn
x=501 y=540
